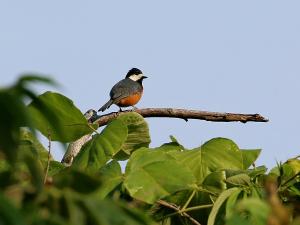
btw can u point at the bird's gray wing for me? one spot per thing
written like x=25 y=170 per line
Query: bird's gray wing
x=124 y=88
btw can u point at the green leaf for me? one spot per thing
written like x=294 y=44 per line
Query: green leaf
x=257 y=171
x=231 y=202
x=9 y=215
x=220 y=201
x=216 y=154
x=250 y=211
x=241 y=179
x=171 y=146
x=13 y=115
x=55 y=115
x=30 y=78
x=215 y=182
x=111 y=176
x=151 y=175
x=95 y=153
x=108 y=212
x=295 y=165
x=249 y=157
x=257 y=191
x=289 y=170
x=55 y=167
x=76 y=180
x=71 y=209
x=35 y=168
x=28 y=142
x=138 y=134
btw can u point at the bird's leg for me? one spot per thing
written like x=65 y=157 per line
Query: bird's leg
x=118 y=113
x=134 y=108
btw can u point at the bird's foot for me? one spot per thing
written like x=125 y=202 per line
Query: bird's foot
x=133 y=108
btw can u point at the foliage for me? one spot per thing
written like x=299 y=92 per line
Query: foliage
x=216 y=183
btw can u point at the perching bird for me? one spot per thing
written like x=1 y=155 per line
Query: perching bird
x=126 y=92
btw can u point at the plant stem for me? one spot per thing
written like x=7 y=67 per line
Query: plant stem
x=188 y=201
x=177 y=209
x=194 y=208
x=48 y=160
x=207 y=191
x=198 y=207
x=91 y=127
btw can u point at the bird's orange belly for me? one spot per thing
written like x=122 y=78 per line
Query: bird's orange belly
x=130 y=100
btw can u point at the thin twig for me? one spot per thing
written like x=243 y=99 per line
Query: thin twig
x=198 y=207
x=49 y=157
x=206 y=191
x=177 y=209
x=193 y=208
x=189 y=200
x=186 y=115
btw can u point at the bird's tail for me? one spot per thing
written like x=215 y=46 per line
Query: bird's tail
x=106 y=105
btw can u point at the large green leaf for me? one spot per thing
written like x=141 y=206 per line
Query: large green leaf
x=249 y=157
x=77 y=181
x=249 y=211
x=174 y=145
x=257 y=171
x=220 y=201
x=9 y=214
x=28 y=142
x=67 y=206
x=290 y=172
x=138 y=134
x=13 y=115
x=215 y=181
x=55 y=167
x=56 y=115
x=151 y=175
x=231 y=202
x=36 y=171
x=111 y=176
x=107 y=212
x=216 y=154
x=241 y=179
x=95 y=153
x=31 y=78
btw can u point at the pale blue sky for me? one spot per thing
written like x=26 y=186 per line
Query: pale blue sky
x=233 y=56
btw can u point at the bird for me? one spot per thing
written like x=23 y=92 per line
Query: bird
x=126 y=92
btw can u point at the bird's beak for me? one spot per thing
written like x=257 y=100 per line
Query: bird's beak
x=144 y=77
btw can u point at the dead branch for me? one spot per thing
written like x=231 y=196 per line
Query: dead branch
x=186 y=115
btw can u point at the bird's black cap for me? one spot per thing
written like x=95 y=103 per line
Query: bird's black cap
x=133 y=71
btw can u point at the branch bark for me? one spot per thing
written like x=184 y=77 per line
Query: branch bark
x=91 y=115
x=186 y=115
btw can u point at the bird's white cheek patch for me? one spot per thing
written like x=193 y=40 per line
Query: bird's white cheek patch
x=136 y=77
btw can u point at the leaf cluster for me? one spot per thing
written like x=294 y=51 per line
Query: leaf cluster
x=215 y=183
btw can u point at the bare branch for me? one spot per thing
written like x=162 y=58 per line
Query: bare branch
x=75 y=147
x=186 y=115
